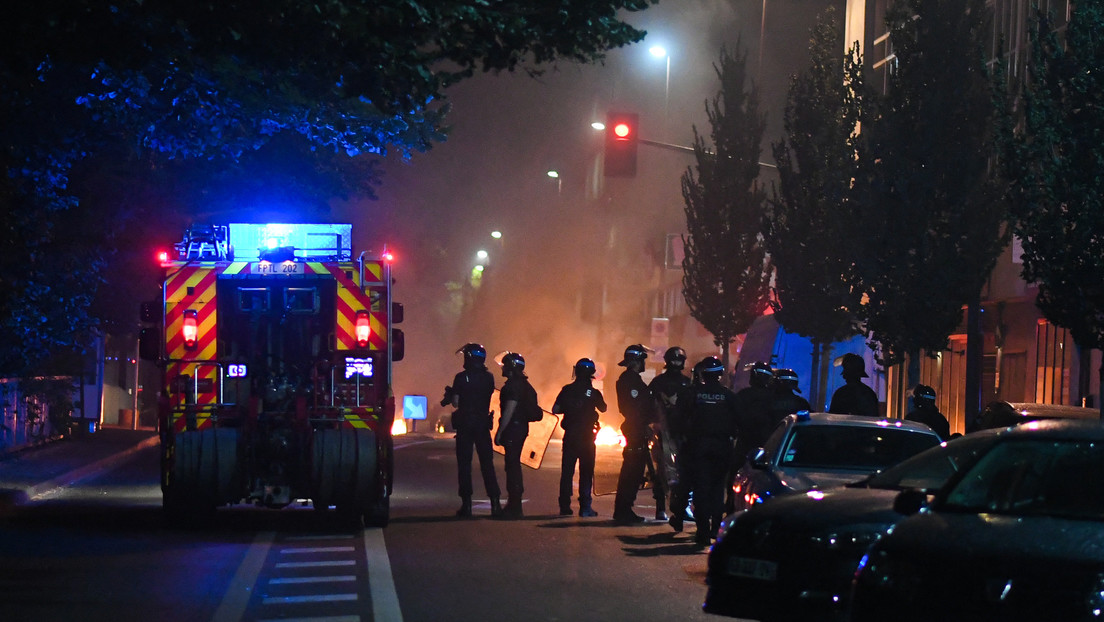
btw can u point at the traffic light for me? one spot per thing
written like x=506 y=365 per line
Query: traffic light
x=621 y=141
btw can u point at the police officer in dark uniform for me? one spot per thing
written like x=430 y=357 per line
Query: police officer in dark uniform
x=471 y=396
x=579 y=403
x=635 y=403
x=513 y=427
x=713 y=420
x=927 y=412
x=784 y=398
x=854 y=397
x=754 y=403
x=666 y=389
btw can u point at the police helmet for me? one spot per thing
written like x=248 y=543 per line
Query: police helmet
x=675 y=358
x=635 y=352
x=923 y=393
x=710 y=367
x=761 y=374
x=786 y=378
x=474 y=354
x=512 y=362
x=584 y=368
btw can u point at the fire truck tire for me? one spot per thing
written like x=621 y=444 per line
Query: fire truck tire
x=379 y=514
x=343 y=468
x=205 y=473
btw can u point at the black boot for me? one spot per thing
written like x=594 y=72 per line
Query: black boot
x=565 y=507
x=660 y=514
x=626 y=516
x=496 y=507
x=465 y=507
x=512 y=510
x=586 y=511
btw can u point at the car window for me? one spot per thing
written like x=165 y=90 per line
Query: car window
x=852 y=447
x=932 y=468
x=1035 y=477
x=775 y=439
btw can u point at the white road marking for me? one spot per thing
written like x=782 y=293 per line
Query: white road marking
x=233 y=605
x=317 y=598
x=317 y=549
x=292 y=580
x=339 y=562
x=385 y=601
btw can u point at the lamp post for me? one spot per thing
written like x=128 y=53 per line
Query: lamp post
x=559 y=181
x=659 y=51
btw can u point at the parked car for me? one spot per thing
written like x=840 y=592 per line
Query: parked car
x=794 y=558
x=821 y=450
x=1003 y=414
x=1018 y=536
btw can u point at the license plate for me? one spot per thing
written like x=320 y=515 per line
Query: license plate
x=276 y=268
x=752 y=568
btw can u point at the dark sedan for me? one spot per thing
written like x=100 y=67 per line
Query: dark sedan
x=794 y=558
x=1018 y=536
x=821 y=450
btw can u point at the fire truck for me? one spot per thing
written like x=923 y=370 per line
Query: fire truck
x=276 y=349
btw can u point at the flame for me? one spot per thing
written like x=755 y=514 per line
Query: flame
x=399 y=427
x=609 y=436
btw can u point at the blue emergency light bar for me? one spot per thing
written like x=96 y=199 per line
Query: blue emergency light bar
x=304 y=241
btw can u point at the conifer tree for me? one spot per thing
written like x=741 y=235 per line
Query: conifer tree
x=811 y=212
x=726 y=271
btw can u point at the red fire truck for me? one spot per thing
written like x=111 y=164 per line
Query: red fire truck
x=276 y=347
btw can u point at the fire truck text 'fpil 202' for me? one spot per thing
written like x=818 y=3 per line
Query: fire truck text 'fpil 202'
x=276 y=347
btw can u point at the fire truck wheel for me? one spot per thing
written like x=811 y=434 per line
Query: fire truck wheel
x=379 y=514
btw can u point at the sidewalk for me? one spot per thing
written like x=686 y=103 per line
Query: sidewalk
x=32 y=471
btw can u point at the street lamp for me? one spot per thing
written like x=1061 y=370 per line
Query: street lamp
x=659 y=51
x=559 y=181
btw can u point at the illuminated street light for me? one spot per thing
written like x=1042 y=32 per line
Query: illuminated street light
x=496 y=235
x=659 y=51
x=559 y=181
x=598 y=125
x=481 y=255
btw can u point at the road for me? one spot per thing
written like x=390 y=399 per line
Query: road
x=99 y=550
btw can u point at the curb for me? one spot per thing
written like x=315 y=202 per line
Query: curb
x=88 y=470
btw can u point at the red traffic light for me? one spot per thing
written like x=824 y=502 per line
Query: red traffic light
x=621 y=141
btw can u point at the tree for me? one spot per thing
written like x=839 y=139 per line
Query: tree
x=811 y=213
x=1054 y=166
x=926 y=193
x=159 y=87
x=726 y=271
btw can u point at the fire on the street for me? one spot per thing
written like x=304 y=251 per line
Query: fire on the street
x=609 y=436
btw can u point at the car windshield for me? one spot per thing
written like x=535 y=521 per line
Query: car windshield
x=930 y=469
x=852 y=447
x=1034 y=477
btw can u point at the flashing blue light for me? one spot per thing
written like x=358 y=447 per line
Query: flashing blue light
x=803 y=415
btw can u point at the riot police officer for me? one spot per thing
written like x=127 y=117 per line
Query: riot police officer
x=471 y=396
x=635 y=404
x=579 y=403
x=666 y=389
x=513 y=427
x=927 y=412
x=784 y=397
x=754 y=403
x=713 y=424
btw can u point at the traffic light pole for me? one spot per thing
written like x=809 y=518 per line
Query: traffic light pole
x=684 y=149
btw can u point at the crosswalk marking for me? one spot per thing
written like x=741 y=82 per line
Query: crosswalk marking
x=294 y=580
